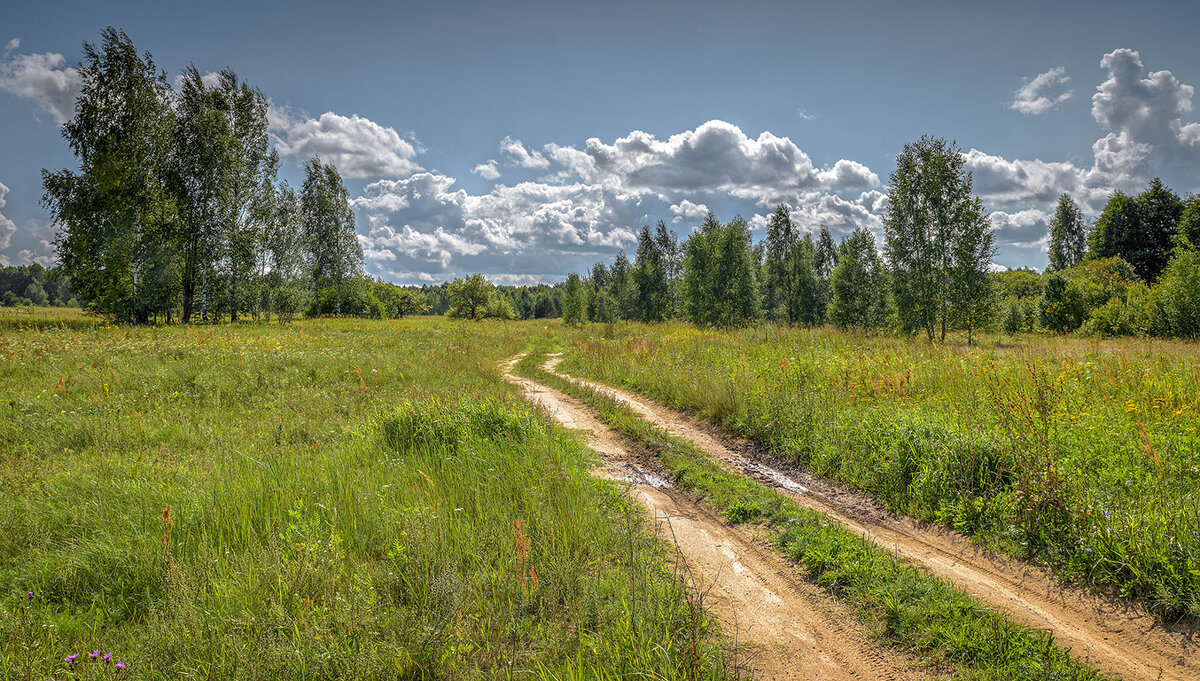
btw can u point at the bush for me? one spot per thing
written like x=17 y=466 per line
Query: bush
x=1179 y=294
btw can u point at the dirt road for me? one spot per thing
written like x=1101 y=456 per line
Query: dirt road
x=792 y=629
x=1114 y=636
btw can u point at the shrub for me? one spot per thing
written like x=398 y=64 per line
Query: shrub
x=1179 y=294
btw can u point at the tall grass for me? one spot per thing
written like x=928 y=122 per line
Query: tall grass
x=331 y=499
x=1079 y=453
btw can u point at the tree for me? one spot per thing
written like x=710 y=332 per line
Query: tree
x=199 y=166
x=574 y=301
x=719 y=275
x=1188 y=234
x=1179 y=294
x=248 y=177
x=779 y=284
x=1068 y=238
x=335 y=256
x=972 y=293
x=810 y=295
x=1140 y=230
x=470 y=297
x=930 y=210
x=115 y=211
x=856 y=285
x=652 y=290
x=1150 y=249
x=621 y=286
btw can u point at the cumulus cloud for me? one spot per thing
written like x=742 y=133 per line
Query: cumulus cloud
x=422 y=228
x=515 y=150
x=358 y=146
x=716 y=156
x=1144 y=111
x=686 y=210
x=488 y=171
x=7 y=228
x=1042 y=93
x=44 y=79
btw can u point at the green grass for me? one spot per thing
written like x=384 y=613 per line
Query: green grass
x=347 y=499
x=1078 y=453
x=903 y=606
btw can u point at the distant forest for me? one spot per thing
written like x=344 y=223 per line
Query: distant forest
x=1134 y=271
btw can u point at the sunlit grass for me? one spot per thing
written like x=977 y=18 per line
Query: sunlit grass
x=329 y=499
x=1080 y=453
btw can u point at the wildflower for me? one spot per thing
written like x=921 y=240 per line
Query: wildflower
x=106 y=658
x=120 y=666
x=70 y=659
x=94 y=654
x=29 y=596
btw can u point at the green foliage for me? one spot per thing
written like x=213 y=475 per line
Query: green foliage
x=1179 y=294
x=859 y=284
x=652 y=298
x=1141 y=230
x=1188 y=234
x=335 y=255
x=1072 y=296
x=938 y=241
x=1081 y=454
x=719 y=275
x=115 y=211
x=1019 y=283
x=1068 y=237
x=477 y=298
x=574 y=302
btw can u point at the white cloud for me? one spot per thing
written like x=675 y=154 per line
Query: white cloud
x=1145 y=114
x=7 y=228
x=359 y=147
x=716 y=156
x=1044 y=92
x=11 y=45
x=422 y=224
x=515 y=149
x=44 y=79
x=686 y=210
x=488 y=171
x=41 y=250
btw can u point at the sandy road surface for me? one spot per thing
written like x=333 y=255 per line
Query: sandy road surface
x=792 y=629
x=1114 y=636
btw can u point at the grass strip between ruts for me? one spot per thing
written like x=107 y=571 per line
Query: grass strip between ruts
x=903 y=606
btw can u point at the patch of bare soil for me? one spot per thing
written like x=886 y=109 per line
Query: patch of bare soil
x=1116 y=637
x=789 y=628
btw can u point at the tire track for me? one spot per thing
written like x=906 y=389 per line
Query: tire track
x=1114 y=636
x=794 y=629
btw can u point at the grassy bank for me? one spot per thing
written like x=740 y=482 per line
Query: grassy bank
x=1082 y=454
x=903 y=606
x=330 y=499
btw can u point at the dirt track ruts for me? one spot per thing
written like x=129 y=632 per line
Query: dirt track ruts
x=1114 y=636
x=792 y=628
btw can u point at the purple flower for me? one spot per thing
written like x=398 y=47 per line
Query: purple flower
x=120 y=666
x=70 y=659
x=106 y=658
x=29 y=596
x=94 y=654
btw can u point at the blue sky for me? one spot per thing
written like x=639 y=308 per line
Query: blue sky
x=525 y=140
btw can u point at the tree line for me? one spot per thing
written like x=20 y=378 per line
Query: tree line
x=1136 y=270
x=176 y=210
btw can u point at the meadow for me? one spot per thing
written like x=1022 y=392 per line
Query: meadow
x=1080 y=454
x=326 y=499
